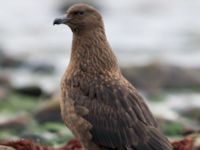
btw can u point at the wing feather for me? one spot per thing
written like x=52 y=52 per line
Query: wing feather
x=118 y=115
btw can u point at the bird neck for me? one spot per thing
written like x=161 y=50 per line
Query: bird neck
x=92 y=53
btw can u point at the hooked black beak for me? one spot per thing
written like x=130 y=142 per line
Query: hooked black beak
x=61 y=20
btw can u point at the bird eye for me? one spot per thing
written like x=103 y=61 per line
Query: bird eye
x=79 y=13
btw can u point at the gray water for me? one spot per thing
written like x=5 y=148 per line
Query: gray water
x=139 y=31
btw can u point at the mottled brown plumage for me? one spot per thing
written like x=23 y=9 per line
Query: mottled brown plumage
x=98 y=104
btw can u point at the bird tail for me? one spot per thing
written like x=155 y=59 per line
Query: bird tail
x=156 y=141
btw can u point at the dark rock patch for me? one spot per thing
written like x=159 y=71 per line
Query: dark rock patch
x=34 y=91
x=19 y=123
x=192 y=113
x=153 y=77
x=49 y=113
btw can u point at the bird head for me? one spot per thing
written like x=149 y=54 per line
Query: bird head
x=80 y=17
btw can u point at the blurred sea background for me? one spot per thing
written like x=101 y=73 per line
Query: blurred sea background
x=157 y=43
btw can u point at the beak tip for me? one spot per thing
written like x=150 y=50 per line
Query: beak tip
x=57 y=21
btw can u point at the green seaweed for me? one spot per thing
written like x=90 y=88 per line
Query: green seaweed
x=172 y=128
x=158 y=97
x=53 y=127
x=17 y=103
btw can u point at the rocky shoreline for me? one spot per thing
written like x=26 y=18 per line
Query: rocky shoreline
x=167 y=89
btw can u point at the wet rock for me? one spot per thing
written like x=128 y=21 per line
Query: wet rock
x=181 y=78
x=4 y=86
x=43 y=68
x=29 y=91
x=4 y=80
x=19 y=123
x=49 y=112
x=3 y=93
x=21 y=63
x=157 y=76
x=9 y=61
x=191 y=113
x=39 y=67
x=148 y=78
x=1 y=55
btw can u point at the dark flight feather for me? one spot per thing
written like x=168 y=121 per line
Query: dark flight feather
x=118 y=115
